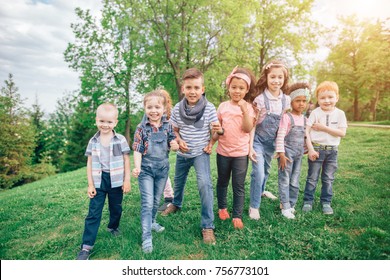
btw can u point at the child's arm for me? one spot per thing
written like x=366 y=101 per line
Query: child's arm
x=137 y=164
x=252 y=152
x=126 y=180
x=182 y=144
x=336 y=132
x=91 y=186
x=312 y=154
x=247 y=121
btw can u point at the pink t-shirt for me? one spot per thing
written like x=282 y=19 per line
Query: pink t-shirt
x=234 y=142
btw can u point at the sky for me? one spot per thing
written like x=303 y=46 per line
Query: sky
x=35 y=33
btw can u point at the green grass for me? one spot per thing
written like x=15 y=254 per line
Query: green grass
x=44 y=220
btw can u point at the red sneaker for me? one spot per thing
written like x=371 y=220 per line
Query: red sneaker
x=223 y=214
x=237 y=223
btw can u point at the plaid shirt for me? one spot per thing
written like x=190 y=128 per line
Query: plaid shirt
x=118 y=148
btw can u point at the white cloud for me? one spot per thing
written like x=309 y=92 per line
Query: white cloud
x=33 y=38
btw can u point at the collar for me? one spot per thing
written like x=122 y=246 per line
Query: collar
x=97 y=135
x=271 y=96
x=163 y=120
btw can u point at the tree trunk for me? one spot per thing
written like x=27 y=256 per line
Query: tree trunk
x=356 y=113
x=374 y=105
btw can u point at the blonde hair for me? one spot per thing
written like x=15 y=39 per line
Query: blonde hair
x=162 y=94
x=107 y=107
x=328 y=86
x=168 y=107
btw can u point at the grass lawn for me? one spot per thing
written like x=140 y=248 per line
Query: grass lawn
x=44 y=220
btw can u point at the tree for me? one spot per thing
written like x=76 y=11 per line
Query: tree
x=36 y=117
x=16 y=136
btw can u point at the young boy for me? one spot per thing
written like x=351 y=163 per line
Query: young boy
x=108 y=171
x=191 y=120
x=325 y=127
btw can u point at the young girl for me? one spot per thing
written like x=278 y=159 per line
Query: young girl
x=290 y=142
x=271 y=102
x=237 y=118
x=152 y=140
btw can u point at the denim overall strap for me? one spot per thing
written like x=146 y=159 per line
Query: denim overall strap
x=157 y=144
x=294 y=140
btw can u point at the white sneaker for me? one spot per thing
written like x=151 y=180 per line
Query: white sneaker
x=269 y=195
x=292 y=210
x=254 y=213
x=288 y=214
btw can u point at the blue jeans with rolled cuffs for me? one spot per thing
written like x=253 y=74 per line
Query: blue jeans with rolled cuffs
x=326 y=165
x=201 y=164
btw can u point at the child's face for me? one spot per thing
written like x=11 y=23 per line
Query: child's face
x=275 y=80
x=193 y=90
x=327 y=100
x=154 y=109
x=106 y=121
x=299 y=104
x=238 y=88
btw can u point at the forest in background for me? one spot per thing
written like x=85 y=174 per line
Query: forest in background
x=137 y=46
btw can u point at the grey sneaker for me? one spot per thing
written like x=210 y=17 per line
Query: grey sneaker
x=83 y=255
x=114 y=231
x=147 y=246
x=157 y=227
x=307 y=208
x=326 y=209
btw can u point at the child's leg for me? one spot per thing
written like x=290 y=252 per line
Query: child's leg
x=224 y=171
x=329 y=169
x=284 y=178
x=92 y=221
x=182 y=168
x=168 y=191
x=115 y=198
x=239 y=170
x=146 y=187
x=294 y=181
x=312 y=179
x=203 y=176
x=160 y=180
x=257 y=176
x=269 y=150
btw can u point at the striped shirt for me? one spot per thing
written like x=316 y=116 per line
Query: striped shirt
x=196 y=138
x=118 y=148
x=284 y=129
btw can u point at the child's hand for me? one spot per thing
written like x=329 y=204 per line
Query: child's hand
x=136 y=171
x=313 y=155
x=126 y=187
x=216 y=127
x=283 y=160
x=174 y=145
x=91 y=191
x=183 y=146
x=242 y=103
x=318 y=127
x=252 y=154
x=208 y=149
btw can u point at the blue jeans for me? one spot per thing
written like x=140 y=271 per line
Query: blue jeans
x=151 y=180
x=96 y=204
x=288 y=180
x=328 y=163
x=201 y=164
x=260 y=170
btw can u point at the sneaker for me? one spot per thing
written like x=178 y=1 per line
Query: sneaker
x=223 y=214
x=208 y=236
x=114 y=231
x=157 y=227
x=288 y=214
x=254 y=213
x=237 y=223
x=307 y=208
x=163 y=207
x=83 y=254
x=170 y=209
x=147 y=246
x=269 y=195
x=326 y=209
x=292 y=209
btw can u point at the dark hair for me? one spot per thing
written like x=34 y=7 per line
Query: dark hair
x=262 y=82
x=252 y=88
x=192 y=73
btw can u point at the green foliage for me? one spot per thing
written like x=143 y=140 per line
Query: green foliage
x=56 y=207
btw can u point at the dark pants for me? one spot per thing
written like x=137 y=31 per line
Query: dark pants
x=96 y=204
x=236 y=167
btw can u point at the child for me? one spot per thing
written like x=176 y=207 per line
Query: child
x=152 y=140
x=270 y=103
x=108 y=172
x=237 y=118
x=192 y=118
x=290 y=142
x=325 y=127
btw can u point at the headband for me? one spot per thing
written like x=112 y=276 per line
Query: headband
x=243 y=76
x=268 y=66
x=300 y=92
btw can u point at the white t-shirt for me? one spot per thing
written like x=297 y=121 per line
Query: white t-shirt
x=335 y=119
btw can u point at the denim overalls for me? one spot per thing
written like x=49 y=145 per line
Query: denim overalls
x=289 y=177
x=153 y=176
x=264 y=146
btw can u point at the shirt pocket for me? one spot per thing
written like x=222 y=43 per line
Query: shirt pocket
x=117 y=149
